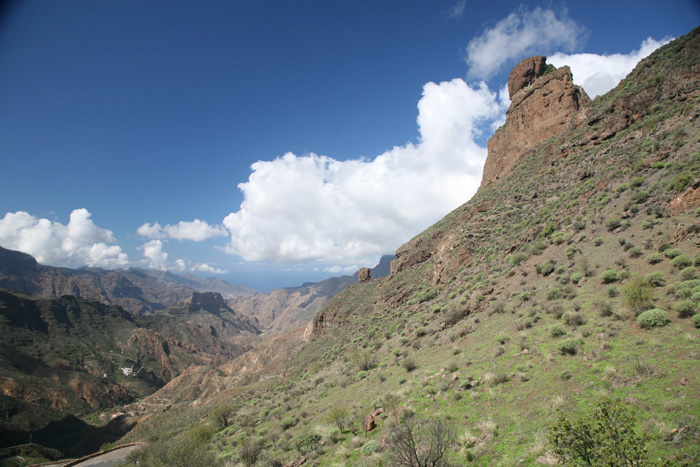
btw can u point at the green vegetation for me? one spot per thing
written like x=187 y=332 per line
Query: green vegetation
x=655 y=317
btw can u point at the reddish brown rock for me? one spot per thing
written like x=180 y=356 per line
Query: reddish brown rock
x=364 y=274
x=369 y=423
x=541 y=107
x=525 y=73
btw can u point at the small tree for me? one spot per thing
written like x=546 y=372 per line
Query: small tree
x=418 y=442
x=604 y=437
x=638 y=294
x=363 y=359
x=222 y=415
x=339 y=416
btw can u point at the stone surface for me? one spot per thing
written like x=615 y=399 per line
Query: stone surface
x=525 y=73
x=541 y=107
x=364 y=274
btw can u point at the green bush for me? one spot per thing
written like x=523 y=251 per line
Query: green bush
x=654 y=258
x=682 y=261
x=409 y=364
x=604 y=437
x=672 y=252
x=576 y=277
x=612 y=291
x=681 y=181
x=557 y=330
x=421 y=331
x=696 y=321
x=516 y=258
x=598 y=241
x=638 y=294
x=554 y=293
x=287 y=422
x=308 y=444
x=655 y=279
x=696 y=260
x=609 y=276
x=568 y=346
x=613 y=223
x=689 y=273
x=685 y=309
x=653 y=318
x=546 y=268
x=370 y=447
x=635 y=252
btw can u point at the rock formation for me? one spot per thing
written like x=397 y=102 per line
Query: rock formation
x=364 y=274
x=542 y=105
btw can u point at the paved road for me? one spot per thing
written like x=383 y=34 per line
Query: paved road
x=110 y=459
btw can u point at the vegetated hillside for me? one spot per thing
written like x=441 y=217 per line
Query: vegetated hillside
x=284 y=310
x=77 y=355
x=527 y=300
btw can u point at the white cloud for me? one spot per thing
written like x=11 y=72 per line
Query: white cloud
x=153 y=250
x=80 y=242
x=299 y=208
x=457 y=10
x=197 y=231
x=522 y=33
x=157 y=258
x=205 y=267
x=342 y=269
x=598 y=74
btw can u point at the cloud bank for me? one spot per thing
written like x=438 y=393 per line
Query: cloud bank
x=520 y=34
x=598 y=74
x=196 y=230
x=80 y=242
x=299 y=208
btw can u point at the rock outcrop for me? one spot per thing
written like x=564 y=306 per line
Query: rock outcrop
x=364 y=274
x=542 y=105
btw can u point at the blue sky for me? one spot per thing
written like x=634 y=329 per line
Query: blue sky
x=271 y=142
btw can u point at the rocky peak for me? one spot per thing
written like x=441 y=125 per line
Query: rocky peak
x=542 y=105
x=525 y=73
x=206 y=300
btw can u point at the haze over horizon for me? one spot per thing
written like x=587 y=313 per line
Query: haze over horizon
x=271 y=144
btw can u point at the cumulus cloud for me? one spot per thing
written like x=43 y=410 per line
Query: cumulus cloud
x=157 y=258
x=523 y=32
x=197 y=231
x=80 y=242
x=299 y=208
x=598 y=74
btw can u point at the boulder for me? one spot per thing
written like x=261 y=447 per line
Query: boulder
x=364 y=274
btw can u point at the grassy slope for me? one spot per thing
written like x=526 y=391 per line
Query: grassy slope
x=552 y=208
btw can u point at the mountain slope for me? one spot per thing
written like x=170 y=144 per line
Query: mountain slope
x=526 y=300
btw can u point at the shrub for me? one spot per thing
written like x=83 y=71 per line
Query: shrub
x=421 y=331
x=605 y=437
x=653 y=318
x=685 y=309
x=635 y=252
x=654 y=258
x=287 y=422
x=638 y=294
x=420 y=442
x=370 y=447
x=612 y=291
x=681 y=181
x=696 y=260
x=672 y=252
x=339 y=416
x=574 y=319
x=546 y=268
x=613 y=223
x=557 y=330
x=682 y=261
x=609 y=276
x=689 y=273
x=696 y=321
x=576 y=277
x=554 y=293
x=516 y=258
x=568 y=346
x=598 y=241
x=409 y=364
x=655 y=279
x=308 y=444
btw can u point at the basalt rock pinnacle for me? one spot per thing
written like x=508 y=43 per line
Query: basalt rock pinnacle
x=542 y=104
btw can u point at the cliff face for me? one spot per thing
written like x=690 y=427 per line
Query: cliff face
x=542 y=105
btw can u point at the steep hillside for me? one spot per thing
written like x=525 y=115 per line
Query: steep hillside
x=569 y=278
x=284 y=310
